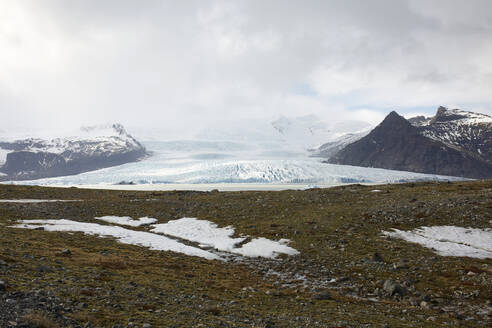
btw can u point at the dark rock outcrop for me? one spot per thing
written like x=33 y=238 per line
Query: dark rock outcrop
x=396 y=144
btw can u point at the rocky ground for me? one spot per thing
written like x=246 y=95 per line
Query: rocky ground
x=347 y=274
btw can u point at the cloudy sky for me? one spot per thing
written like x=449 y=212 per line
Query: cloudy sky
x=184 y=64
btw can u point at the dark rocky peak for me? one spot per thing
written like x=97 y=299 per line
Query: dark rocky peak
x=394 y=122
x=446 y=115
x=394 y=118
x=119 y=128
x=441 y=111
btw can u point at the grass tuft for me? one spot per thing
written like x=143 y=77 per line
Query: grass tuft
x=39 y=320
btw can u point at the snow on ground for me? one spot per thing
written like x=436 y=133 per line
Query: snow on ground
x=37 y=200
x=203 y=232
x=200 y=231
x=450 y=240
x=263 y=247
x=126 y=220
x=209 y=234
x=125 y=236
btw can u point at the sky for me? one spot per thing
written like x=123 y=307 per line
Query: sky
x=181 y=65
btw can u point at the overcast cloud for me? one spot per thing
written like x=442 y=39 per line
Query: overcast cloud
x=174 y=64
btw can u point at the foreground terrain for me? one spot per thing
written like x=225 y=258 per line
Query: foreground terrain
x=348 y=274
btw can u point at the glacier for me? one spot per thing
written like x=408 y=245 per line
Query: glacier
x=191 y=164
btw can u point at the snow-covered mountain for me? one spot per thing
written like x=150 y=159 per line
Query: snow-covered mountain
x=312 y=132
x=295 y=133
x=466 y=131
x=330 y=148
x=88 y=149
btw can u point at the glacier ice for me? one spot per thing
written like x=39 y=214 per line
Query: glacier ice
x=199 y=162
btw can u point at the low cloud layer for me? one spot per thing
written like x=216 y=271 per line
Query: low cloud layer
x=183 y=64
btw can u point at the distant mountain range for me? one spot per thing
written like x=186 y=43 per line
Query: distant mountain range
x=93 y=148
x=453 y=142
x=294 y=133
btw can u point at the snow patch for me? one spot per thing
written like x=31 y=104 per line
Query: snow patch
x=450 y=240
x=126 y=220
x=209 y=234
x=146 y=239
x=263 y=247
x=200 y=231
x=205 y=233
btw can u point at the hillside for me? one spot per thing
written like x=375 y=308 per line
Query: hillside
x=347 y=273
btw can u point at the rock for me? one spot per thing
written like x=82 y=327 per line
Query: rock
x=392 y=288
x=66 y=252
x=401 y=264
x=3 y=263
x=273 y=292
x=44 y=268
x=2 y=286
x=414 y=301
x=322 y=296
x=377 y=258
x=146 y=325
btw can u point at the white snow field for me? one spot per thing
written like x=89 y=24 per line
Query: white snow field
x=191 y=164
x=128 y=221
x=125 y=236
x=204 y=232
x=207 y=234
x=263 y=247
x=450 y=240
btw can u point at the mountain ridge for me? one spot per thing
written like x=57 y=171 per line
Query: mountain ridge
x=397 y=144
x=467 y=131
x=97 y=147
